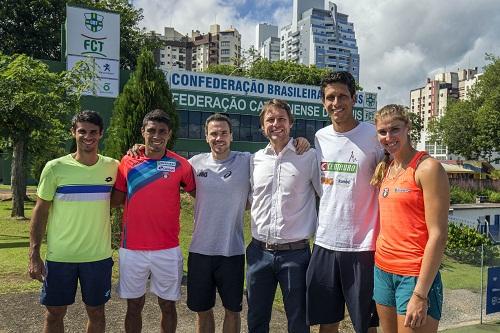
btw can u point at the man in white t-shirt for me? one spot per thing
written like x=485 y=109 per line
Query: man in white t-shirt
x=341 y=267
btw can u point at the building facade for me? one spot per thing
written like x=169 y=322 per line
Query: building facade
x=320 y=36
x=430 y=101
x=267 y=42
x=198 y=51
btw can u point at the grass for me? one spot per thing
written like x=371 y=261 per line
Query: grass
x=458 y=275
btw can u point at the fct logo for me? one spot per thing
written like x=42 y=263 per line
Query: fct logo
x=94 y=21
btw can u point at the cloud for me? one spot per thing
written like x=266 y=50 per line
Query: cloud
x=401 y=42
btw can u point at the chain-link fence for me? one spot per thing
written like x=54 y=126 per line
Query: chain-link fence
x=470 y=252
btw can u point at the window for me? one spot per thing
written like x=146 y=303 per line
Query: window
x=246 y=128
x=183 y=124
x=194 y=125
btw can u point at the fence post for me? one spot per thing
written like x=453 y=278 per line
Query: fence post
x=481 y=303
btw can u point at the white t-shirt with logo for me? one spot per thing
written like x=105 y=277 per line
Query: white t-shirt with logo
x=222 y=189
x=348 y=210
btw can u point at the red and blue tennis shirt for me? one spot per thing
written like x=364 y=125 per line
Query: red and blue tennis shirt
x=152 y=206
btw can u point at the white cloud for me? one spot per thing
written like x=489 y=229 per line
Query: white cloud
x=401 y=42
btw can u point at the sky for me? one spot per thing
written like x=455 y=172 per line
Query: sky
x=401 y=42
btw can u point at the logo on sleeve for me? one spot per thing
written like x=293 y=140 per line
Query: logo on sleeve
x=108 y=179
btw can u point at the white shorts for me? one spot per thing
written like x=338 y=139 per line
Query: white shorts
x=164 y=266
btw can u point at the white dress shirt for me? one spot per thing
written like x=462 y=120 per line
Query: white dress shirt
x=283 y=194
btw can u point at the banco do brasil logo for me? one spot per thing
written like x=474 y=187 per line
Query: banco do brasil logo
x=94 y=21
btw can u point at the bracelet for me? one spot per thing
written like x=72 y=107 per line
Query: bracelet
x=420 y=296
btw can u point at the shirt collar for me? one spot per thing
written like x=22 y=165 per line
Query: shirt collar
x=269 y=150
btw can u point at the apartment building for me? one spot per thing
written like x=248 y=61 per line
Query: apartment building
x=430 y=102
x=200 y=50
x=320 y=35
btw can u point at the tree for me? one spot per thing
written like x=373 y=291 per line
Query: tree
x=281 y=70
x=471 y=127
x=34 y=107
x=145 y=91
x=417 y=126
x=33 y=27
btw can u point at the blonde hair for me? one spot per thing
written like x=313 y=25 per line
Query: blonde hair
x=395 y=112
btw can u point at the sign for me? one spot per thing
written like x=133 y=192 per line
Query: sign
x=93 y=33
x=195 y=91
x=94 y=37
x=493 y=290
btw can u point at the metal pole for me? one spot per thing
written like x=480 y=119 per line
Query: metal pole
x=481 y=303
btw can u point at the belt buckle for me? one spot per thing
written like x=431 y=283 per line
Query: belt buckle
x=270 y=246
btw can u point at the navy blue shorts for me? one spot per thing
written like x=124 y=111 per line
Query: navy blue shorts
x=59 y=287
x=207 y=273
x=336 y=279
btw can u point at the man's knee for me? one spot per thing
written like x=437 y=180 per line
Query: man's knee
x=204 y=315
x=55 y=313
x=135 y=305
x=166 y=306
x=231 y=314
x=95 y=313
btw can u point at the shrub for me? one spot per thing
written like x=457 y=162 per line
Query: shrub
x=464 y=244
x=460 y=196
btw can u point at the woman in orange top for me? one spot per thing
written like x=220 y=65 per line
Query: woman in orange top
x=413 y=203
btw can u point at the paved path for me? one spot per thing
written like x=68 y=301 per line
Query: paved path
x=22 y=313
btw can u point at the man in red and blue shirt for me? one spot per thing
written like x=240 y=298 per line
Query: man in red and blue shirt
x=149 y=185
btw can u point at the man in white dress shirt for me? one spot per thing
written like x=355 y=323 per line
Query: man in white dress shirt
x=284 y=217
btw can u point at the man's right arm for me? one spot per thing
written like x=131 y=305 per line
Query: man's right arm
x=37 y=232
x=117 y=198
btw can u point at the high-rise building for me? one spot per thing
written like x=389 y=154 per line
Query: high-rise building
x=267 y=42
x=430 y=101
x=320 y=36
x=199 y=51
x=263 y=32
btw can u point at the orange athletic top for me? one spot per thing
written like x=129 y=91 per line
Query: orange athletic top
x=403 y=231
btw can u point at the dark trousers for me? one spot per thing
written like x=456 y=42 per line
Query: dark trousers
x=265 y=269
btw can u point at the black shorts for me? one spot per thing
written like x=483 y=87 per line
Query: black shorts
x=208 y=273
x=335 y=279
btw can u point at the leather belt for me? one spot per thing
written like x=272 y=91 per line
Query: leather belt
x=298 y=245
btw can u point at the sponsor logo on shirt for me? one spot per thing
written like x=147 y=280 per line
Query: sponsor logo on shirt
x=108 y=179
x=202 y=174
x=326 y=181
x=166 y=166
x=227 y=174
x=339 y=167
x=336 y=181
x=343 y=181
x=402 y=190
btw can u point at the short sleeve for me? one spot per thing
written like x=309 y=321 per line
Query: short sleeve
x=121 y=176
x=48 y=185
x=188 y=182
